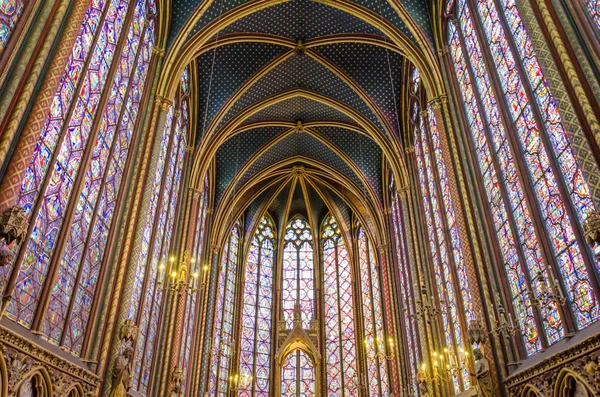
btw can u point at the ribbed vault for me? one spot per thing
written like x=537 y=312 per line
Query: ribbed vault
x=299 y=102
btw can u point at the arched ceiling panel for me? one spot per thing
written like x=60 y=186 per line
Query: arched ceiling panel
x=299 y=108
x=235 y=152
x=302 y=71
x=375 y=69
x=222 y=70
x=300 y=144
x=301 y=19
x=365 y=153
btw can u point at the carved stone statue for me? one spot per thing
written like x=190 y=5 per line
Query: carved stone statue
x=422 y=382
x=482 y=372
x=122 y=373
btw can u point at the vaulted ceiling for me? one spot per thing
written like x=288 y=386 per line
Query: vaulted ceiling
x=300 y=101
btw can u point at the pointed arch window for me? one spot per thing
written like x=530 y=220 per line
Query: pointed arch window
x=528 y=169
x=191 y=309
x=146 y=299
x=406 y=284
x=10 y=12
x=76 y=172
x=298 y=375
x=222 y=345
x=340 y=338
x=255 y=340
x=439 y=244
x=376 y=376
x=298 y=272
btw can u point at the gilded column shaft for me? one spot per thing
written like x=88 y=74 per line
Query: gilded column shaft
x=11 y=183
x=129 y=256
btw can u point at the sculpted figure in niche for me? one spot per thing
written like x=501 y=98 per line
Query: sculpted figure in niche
x=122 y=373
x=482 y=372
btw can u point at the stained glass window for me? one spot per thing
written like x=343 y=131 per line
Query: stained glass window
x=298 y=375
x=76 y=170
x=222 y=346
x=549 y=170
x=10 y=12
x=199 y=274
x=340 y=339
x=593 y=7
x=255 y=340
x=298 y=272
x=406 y=284
x=415 y=79
x=376 y=378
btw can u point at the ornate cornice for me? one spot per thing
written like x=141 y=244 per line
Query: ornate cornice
x=46 y=358
x=580 y=356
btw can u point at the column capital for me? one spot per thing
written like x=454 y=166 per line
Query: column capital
x=163 y=102
x=158 y=51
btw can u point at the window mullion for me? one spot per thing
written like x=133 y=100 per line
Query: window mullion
x=553 y=160
x=453 y=277
x=522 y=175
x=103 y=180
x=163 y=245
x=256 y=310
x=340 y=342
x=522 y=168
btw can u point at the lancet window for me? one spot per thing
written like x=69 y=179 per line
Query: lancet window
x=535 y=190
x=200 y=273
x=407 y=283
x=154 y=262
x=340 y=337
x=76 y=171
x=298 y=272
x=298 y=375
x=255 y=340
x=376 y=377
x=222 y=344
x=446 y=255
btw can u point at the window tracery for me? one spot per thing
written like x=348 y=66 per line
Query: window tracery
x=529 y=171
x=222 y=346
x=76 y=171
x=298 y=272
x=255 y=339
x=340 y=338
x=376 y=374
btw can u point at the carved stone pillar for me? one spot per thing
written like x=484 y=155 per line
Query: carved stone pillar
x=132 y=236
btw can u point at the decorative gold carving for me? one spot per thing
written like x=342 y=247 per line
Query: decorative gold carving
x=163 y=103
x=177 y=382
x=158 y=51
x=298 y=170
x=128 y=331
x=591 y=228
x=13 y=225
x=25 y=359
x=582 y=359
x=476 y=333
x=300 y=47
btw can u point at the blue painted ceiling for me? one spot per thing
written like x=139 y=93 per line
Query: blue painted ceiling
x=365 y=78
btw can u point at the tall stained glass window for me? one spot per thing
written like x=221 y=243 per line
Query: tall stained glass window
x=535 y=188
x=77 y=168
x=145 y=306
x=376 y=377
x=437 y=211
x=222 y=344
x=10 y=12
x=255 y=340
x=406 y=284
x=199 y=272
x=298 y=272
x=340 y=338
x=298 y=375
